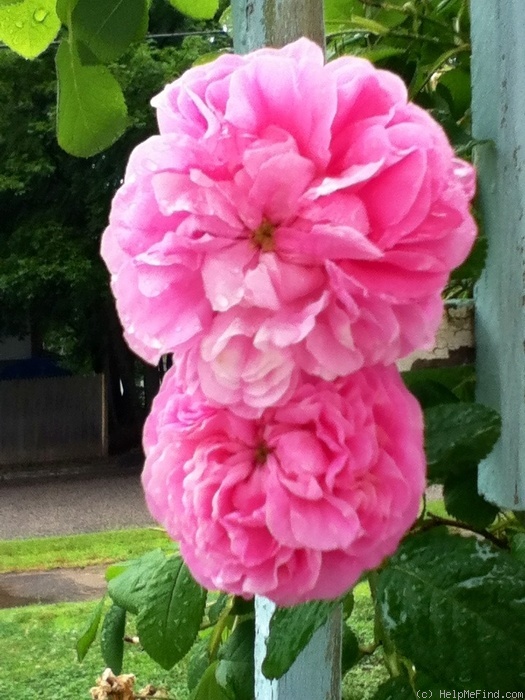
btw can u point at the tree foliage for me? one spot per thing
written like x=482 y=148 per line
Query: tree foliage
x=54 y=208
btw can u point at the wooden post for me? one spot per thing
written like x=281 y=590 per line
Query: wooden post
x=316 y=674
x=498 y=107
x=258 y=23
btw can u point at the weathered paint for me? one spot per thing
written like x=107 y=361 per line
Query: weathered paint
x=498 y=107
x=316 y=674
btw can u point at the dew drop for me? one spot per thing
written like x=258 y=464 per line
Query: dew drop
x=40 y=15
x=19 y=25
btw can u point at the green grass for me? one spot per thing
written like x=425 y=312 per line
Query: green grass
x=37 y=643
x=361 y=682
x=38 y=659
x=78 y=550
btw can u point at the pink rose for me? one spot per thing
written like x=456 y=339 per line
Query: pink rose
x=289 y=212
x=294 y=505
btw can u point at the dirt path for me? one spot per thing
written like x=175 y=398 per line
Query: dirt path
x=55 y=586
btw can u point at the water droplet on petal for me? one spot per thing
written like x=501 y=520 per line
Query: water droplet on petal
x=40 y=15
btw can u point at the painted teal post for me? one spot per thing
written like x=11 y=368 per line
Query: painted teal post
x=498 y=110
x=316 y=674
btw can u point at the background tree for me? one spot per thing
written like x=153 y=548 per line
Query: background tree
x=55 y=207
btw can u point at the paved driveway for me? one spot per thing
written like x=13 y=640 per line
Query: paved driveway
x=64 y=507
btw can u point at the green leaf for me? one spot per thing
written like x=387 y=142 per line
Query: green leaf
x=430 y=393
x=112 y=638
x=28 y=27
x=209 y=57
x=115 y=570
x=108 y=28
x=235 y=670
x=91 y=111
x=127 y=588
x=455 y=607
x=350 y=649
x=473 y=266
x=392 y=18
x=226 y=21
x=64 y=9
x=87 y=637
x=458 y=434
x=426 y=75
x=517 y=547
x=460 y=380
x=380 y=54
x=198 y=9
x=341 y=10
x=209 y=689
x=216 y=608
x=170 y=617
x=357 y=24
x=426 y=687
x=462 y=500
x=198 y=662
x=457 y=82
x=290 y=631
x=348 y=602
x=394 y=689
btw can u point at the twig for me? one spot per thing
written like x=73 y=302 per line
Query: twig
x=436 y=520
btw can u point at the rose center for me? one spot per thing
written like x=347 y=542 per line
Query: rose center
x=261 y=453
x=263 y=237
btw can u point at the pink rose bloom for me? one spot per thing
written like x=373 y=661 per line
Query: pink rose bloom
x=295 y=505
x=291 y=215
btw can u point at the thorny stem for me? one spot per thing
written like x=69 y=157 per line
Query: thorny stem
x=436 y=521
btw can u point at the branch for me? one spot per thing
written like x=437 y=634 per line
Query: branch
x=436 y=521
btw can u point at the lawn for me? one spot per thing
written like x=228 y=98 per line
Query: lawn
x=37 y=643
x=38 y=658
x=38 y=661
x=79 y=550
